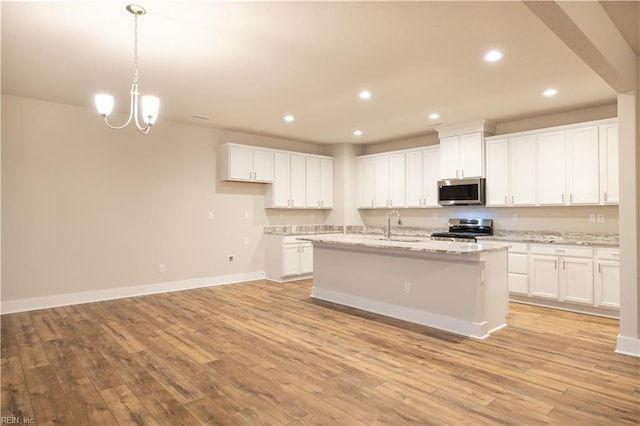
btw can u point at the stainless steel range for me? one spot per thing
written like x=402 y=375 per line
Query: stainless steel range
x=465 y=230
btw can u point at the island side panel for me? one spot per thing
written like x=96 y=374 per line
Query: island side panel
x=446 y=291
x=496 y=289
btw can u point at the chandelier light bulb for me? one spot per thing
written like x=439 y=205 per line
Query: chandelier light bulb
x=104 y=104
x=150 y=105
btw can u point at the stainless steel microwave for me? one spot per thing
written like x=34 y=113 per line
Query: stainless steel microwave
x=461 y=192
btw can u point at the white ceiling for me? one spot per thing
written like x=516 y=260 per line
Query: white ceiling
x=244 y=65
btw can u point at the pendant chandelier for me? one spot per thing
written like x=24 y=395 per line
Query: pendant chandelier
x=150 y=104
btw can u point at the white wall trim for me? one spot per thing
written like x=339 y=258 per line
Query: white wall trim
x=628 y=346
x=31 y=304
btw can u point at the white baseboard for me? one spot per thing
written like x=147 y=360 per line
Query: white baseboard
x=628 y=346
x=31 y=304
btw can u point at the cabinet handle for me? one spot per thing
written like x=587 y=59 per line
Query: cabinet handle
x=605 y=196
x=461 y=172
x=564 y=264
x=599 y=269
x=563 y=198
x=555 y=264
x=456 y=173
x=512 y=199
x=559 y=250
x=505 y=199
x=571 y=197
x=390 y=203
x=372 y=203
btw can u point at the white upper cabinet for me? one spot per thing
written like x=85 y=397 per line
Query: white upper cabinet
x=582 y=165
x=511 y=171
x=551 y=168
x=246 y=163
x=497 y=186
x=462 y=156
x=381 y=180
x=423 y=172
x=608 y=147
x=319 y=183
x=288 y=189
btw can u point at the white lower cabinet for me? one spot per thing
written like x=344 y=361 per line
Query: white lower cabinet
x=287 y=258
x=563 y=273
x=518 y=268
x=607 y=278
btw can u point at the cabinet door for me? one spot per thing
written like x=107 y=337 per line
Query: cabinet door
x=522 y=174
x=306 y=258
x=262 y=166
x=381 y=179
x=449 y=158
x=297 y=181
x=397 y=180
x=582 y=165
x=366 y=181
x=291 y=259
x=240 y=163
x=281 y=180
x=497 y=172
x=576 y=280
x=430 y=176
x=414 y=194
x=607 y=288
x=312 y=193
x=551 y=168
x=543 y=272
x=326 y=183
x=608 y=142
x=471 y=155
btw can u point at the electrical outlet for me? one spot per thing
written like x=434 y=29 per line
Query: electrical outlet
x=246 y=215
x=592 y=217
x=210 y=215
x=161 y=268
x=246 y=241
x=231 y=258
x=407 y=287
x=600 y=217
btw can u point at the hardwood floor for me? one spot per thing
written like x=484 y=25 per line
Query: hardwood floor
x=265 y=353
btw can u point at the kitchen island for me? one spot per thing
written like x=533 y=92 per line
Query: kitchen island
x=457 y=287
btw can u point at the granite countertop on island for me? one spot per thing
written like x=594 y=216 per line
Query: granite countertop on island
x=403 y=243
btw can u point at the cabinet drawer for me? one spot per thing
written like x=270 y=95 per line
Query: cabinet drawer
x=518 y=263
x=558 y=250
x=608 y=253
x=518 y=247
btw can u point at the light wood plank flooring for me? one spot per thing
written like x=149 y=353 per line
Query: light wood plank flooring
x=265 y=353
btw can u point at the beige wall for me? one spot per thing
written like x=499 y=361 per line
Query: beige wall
x=86 y=208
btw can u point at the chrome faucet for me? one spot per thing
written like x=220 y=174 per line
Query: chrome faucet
x=387 y=233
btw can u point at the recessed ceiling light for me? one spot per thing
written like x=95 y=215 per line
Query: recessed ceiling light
x=365 y=94
x=357 y=133
x=289 y=118
x=550 y=92
x=493 y=56
x=434 y=116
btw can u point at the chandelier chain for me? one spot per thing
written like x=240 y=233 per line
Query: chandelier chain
x=135 y=48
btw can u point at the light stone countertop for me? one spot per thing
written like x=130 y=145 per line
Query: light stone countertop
x=567 y=238
x=415 y=244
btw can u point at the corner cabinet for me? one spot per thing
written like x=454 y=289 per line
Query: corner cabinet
x=287 y=258
x=246 y=164
x=301 y=181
